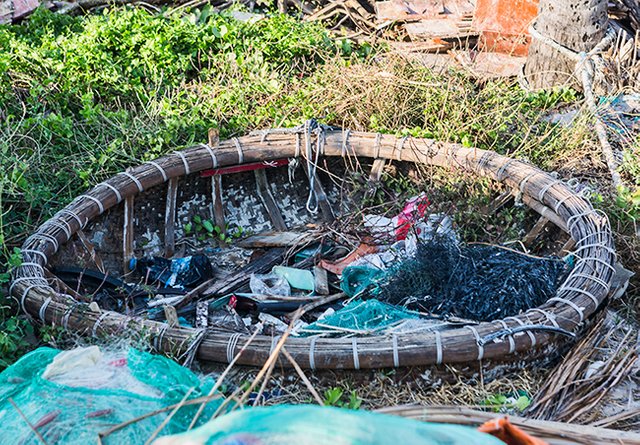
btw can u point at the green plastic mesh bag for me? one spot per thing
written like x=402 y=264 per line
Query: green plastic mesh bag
x=315 y=425
x=72 y=396
x=362 y=317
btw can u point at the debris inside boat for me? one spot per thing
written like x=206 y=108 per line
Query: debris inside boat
x=369 y=274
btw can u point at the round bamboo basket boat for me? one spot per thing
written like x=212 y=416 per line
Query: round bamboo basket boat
x=585 y=288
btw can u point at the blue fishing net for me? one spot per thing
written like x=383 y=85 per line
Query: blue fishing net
x=315 y=425
x=361 y=317
x=70 y=401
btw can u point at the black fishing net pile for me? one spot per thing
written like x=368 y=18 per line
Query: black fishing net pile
x=475 y=282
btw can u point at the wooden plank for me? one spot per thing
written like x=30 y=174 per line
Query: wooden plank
x=217 y=209
x=276 y=239
x=375 y=176
x=436 y=45
x=240 y=279
x=321 y=281
x=438 y=28
x=264 y=192
x=396 y=10
x=568 y=246
x=170 y=218
x=127 y=233
x=216 y=199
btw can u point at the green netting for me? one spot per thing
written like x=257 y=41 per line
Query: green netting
x=315 y=425
x=119 y=387
x=357 y=279
x=362 y=317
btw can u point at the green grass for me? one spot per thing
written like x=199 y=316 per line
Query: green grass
x=81 y=98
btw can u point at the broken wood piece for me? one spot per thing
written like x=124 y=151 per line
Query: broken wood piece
x=14 y=10
x=501 y=200
x=320 y=302
x=240 y=279
x=535 y=231
x=194 y=293
x=438 y=28
x=568 y=246
x=88 y=245
x=216 y=199
x=217 y=208
x=277 y=239
x=376 y=171
x=375 y=176
x=264 y=192
x=171 y=315
x=170 y=218
x=321 y=280
x=435 y=45
x=127 y=233
x=398 y=10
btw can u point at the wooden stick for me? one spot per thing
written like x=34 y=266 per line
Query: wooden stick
x=170 y=218
x=88 y=245
x=304 y=378
x=169 y=417
x=127 y=233
x=222 y=376
x=274 y=355
x=216 y=186
x=535 y=231
x=33 y=428
x=321 y=301
x=198 y=401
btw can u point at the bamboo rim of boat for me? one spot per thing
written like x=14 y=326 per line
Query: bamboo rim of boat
x=583 y=291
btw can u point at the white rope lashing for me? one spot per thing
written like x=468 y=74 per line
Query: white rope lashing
x=236 y=141
x=512 y=342
x=95 y=200
x=438 y=348
x=102 y=316
x=135 y=180
x=160 y=169
x=477 y=337
x=187 y=171
x=43 y=309
x=114 y=190
x=396 y=357
x=571 y=304
x=312 y=347
x=356 y=359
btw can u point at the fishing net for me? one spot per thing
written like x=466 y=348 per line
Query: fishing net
x=315 y=425
x=360 y=317
x=69 y=397
x=477 y=282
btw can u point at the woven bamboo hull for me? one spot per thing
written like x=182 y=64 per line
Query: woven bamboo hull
x=583 y=291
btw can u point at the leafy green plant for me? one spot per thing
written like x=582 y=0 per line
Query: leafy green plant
x=205 y=228
x=500 y=402
x=13 y=337
x=335 y=397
